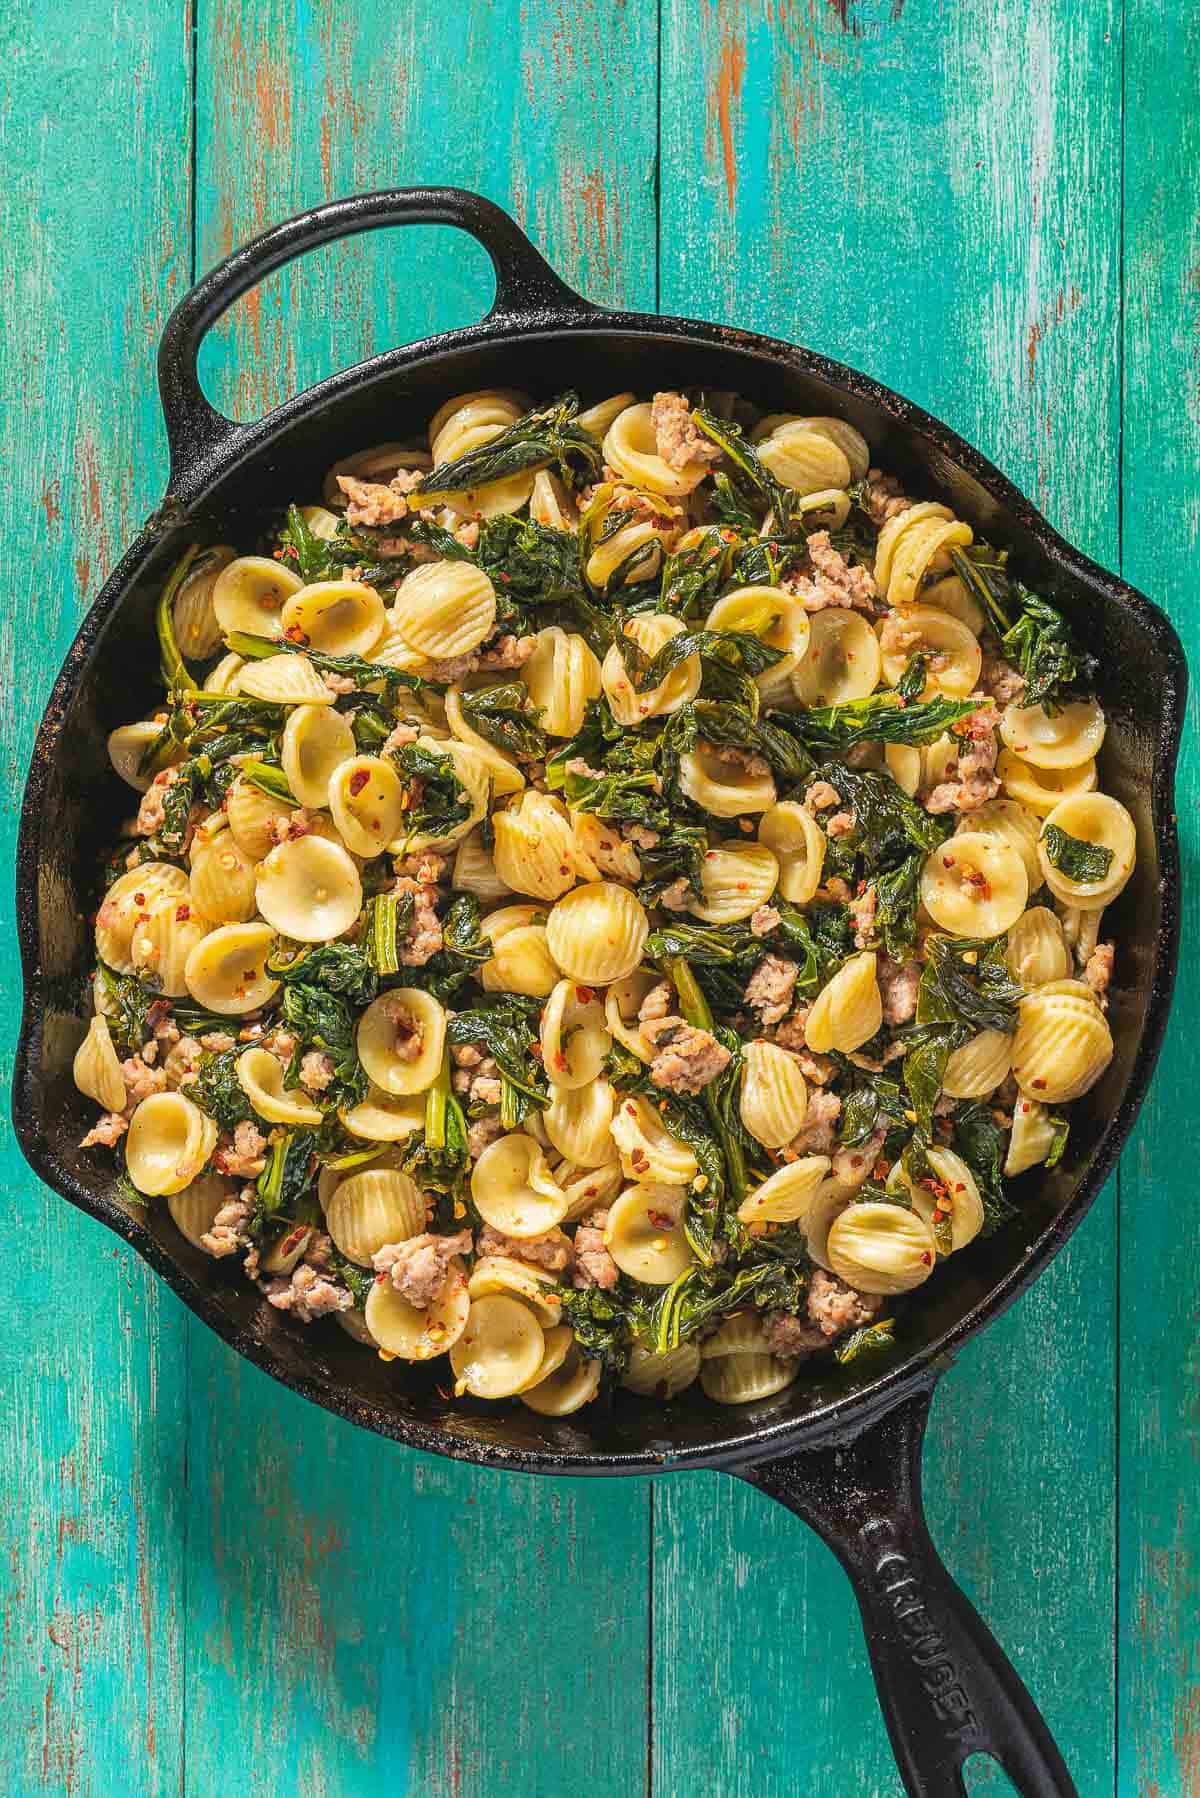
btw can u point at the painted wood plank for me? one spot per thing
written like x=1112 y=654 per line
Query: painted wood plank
x=364 y=1620
x=938 y=205
x=92 y=1431
x=1159 y=1643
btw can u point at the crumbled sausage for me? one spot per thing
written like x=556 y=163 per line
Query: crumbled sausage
x=245 y=1156
x=840 y=825
x=657 y=1003
x=677 y=896
x=971 y=778
x=882 y=498
x=790 y=1034
x=594 y=1266
x=818 y=1133
x=218 y=1041
x=424 y=866
x=677 y=439
x=790 y=1336
x=423 y=938
x=141 y=1082
x=686 y=1059
x=372 y=503
x=505 y=652
x=227 y=1232
x=479 y=1081
x=288 y=827
x=551 y=1250
x=316 y=1071
x=418 y=1268
x=763 y=920
x=853 y=1165
x=770 y=988
x=862 y=912
x=106 y=1132
x=1098 y=971
x=152 y=810
x=1000 y=681
x=835 y=1307
x=820 y=796
x=398 y=736
x=832 y=581
x=307 y=1294
x=481 y=1131
x=898 y=983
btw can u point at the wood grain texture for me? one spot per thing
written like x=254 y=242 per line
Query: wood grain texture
x=363 y=1620
x=93 y=1423
x=901 y=190
x=1159 y=1641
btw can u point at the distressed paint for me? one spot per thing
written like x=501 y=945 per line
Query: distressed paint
x=93 y=1424
x=904 y=193
x=936 y=203
x=1159 y=1641
x=355 y=1622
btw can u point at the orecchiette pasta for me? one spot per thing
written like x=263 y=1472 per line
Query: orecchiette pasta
x=562 y=675
x=774 y=1095
x=401 y=1038
x=514 y=1190
x=849 y=1010
x=482 y=806
x=974 y=885
x=842 y=662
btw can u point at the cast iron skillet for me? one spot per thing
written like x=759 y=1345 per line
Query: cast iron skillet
x=842 y=1448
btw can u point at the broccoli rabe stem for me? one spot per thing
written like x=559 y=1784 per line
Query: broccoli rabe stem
x=697 y=1012
x=692 y=1003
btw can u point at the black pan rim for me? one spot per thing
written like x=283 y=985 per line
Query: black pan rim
x=730 y=1448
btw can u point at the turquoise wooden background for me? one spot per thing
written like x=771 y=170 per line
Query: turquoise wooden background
x=212 y=1588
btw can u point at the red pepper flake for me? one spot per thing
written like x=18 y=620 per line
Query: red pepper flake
x=139 y=898
x=358 y=781
x=584 y=994
x=294 y=634
x=926 y=1258
x=1040 y=1084
x=182 y=913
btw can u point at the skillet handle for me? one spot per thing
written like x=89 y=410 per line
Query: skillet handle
x=527 y=292
x=945 y=1686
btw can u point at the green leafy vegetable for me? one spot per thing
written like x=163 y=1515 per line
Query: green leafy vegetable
x=387 y=921
x=871 y=1339
x=324 y=1022
x=285 y=1180
x=354 y=668
x=437 y=798
x=218 y=1091
x=338 y=967
x=545 y=436
x=982 y=1144
x=504 y=717
x=126 y=1004
x=1076 y=859
x=1038 y=639
x=505 y=1026
x=965 y=988
x=882 y=718
x=314 y=558
x=176 y=678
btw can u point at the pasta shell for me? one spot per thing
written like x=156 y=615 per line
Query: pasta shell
x=514 y=1190
x=127 y=904
x=414 y=1335
x=445 y=609
x=285 y=680
x=1041 y=789
x=339 y=618
x=735 y=878
x=876 y=1247
x=578 y=1121
x=721 y=788
x=645 y=1234
x=1065 y=738
x=535 y=848
x=661 y=1376
x=1032 y=1138
x=842 y=661
x=401 y=1038
x=309 y=889
x=194 y=1208
x=1012 y=823
x=567 y=1390
x=650 y=631
x=1037 y=949
x=848 y=1011
x=774 y=1096
x=96 y=1069
x=974 y=885
x=372 y=1208
x=977 y=1069
x=596 y=933
x=316 y=742
x=534 y=1286
x=798 y=844
x=647 y=1149
x=197 y=627
x=254 y=817
x=168 y=1144
x=574 y=1037
x=955 y=1191
x=249 y=594
x=954 y=656
x=1099 y=820
x=631 y=447
x=500 y=1350
x=260 y=1076
x=1062 y=1046
x=384 y=1117
x=741 y=1379
x=562 y=675
x=161 y=945
x=226 y=971
x=222 y=881
x=785 y=1197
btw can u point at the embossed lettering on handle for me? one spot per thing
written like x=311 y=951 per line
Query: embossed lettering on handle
x=946 y=1688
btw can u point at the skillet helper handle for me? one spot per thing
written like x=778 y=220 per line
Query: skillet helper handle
x=946 y=1688
x=528 y=292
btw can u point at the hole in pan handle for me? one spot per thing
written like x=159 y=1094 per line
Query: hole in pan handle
x=527 y=291
x=946 y=1688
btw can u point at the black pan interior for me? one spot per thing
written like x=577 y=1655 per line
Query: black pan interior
x=114 y=678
